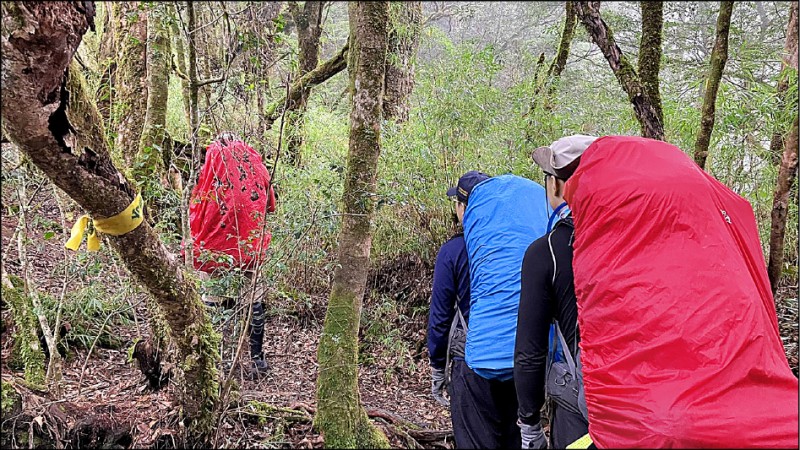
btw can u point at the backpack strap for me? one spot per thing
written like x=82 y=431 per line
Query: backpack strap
x=567 y=353
x=453 y=327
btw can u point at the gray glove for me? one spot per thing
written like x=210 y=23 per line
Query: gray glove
x=532 y=436
x=437 y=386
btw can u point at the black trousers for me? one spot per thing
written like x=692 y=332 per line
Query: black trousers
x=566 y=427
x=484 y=412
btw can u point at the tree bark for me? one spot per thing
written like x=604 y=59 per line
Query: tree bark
x=650 y=51
x=130 y=99
x=787 y=172
x=308 y=19
x=406 y=22
x=317 y=76
x=47 y=113
x=149 y=167
x=107 y=59
x=719 y=56
x=180 y=61
x=789 y=60
x=780 y=207
x=643 y=108
x=341 y=417
x=560 y=60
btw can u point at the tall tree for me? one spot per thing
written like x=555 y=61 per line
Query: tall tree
x=719 y=55
x=787 y=172
x=789 y=60
x=560 y=60
x=643 y=107
x=341 y=418
x=49 y=116
x=650 y=51
x=130 y=93
x=406 y=22
x=308 y=19
x=149 y=165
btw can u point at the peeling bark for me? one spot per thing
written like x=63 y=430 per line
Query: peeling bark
x=719 y=56
x=130 y=97
x=406 y=22
x=48 y=115
x=650 y=51
x=341 y=417
x=643 y=108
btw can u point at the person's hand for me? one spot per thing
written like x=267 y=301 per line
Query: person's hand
x=532 y=436
x=437 y=386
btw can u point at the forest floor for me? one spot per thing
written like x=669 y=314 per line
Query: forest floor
x=106 y=382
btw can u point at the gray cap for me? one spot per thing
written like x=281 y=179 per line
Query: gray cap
x=562 y=157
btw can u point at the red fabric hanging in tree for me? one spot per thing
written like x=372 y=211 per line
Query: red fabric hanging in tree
x=680 y=343
x=228 y=207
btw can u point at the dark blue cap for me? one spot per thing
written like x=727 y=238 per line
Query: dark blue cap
x=465 y=185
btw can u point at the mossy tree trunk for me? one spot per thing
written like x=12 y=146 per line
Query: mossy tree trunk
x=341 y=417
x=789 y=60
x=27 y=351
x=179 y=55
x=719 y=56
x=787 y=171
x=149 y=170
x=650 y=51
x=560 y=60
x=48 y=115
x=643 y=107
x=406 y=23
x=308 y=19
x=130 y=94
x=107 y=59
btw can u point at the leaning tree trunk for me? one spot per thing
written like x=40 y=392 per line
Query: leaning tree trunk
x=719 y=55
x=322 y=73
x=643 y=107
x=149 y=169
x=789 y=60
x=650 y=51
x=130 y=96
x=341 y=418
x=406 y=21
x=309 y=29
x=48 y=115
x=560 y=60
x=787 y=173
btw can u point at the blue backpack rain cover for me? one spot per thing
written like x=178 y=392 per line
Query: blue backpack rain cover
x=504 y=215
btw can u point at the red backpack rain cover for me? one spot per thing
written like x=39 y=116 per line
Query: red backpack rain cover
x=679 y=337
x=228 y=206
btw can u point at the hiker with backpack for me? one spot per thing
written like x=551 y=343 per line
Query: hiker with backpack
x=227 y=213
x=679 y=340
x=447 y=320
x=502 y=216
x=547 y=296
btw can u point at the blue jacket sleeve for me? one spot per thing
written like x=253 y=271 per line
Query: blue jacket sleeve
x=443 y=299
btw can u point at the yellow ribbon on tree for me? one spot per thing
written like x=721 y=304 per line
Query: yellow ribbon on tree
x=122 y=223
x=583 y=442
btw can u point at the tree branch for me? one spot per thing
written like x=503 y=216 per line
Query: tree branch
x=317 y=76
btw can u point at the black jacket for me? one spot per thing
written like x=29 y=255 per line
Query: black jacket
x=543 y=298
